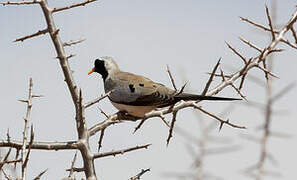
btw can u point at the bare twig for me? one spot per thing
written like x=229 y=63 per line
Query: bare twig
x=174 y=114
x=70 y=56
x=24 y=165
x=114 y=153
x=41 y=145
x=100 y=139
x=40 y=174
x=267 y=71
x=288 y=43
x=258 y=25
x=211 y=77
x=219 y=119
x=270 y=23
x=5 y=158
x=250 y=44
x=26 y=127
x=72 y=165
x=137 y=176
x=70 y=43
x=294 y=34
x=32 y=35
x=238 y=91
x=171 y=78
x=73 y=6
x=237 y=53
x=90 y=103
x=8 y=177
x=20 y=3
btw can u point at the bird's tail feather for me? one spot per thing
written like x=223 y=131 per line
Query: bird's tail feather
x=193 y=97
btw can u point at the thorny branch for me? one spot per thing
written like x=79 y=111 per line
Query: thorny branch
x=114 y=153
x=252 y=63
x=258 y=171
x=72 y=166
x=73 y=6
x=137 y=177
x=90 y=103
x=32 y=35
x=171 y=78
x=70 y=43
x=83 y=137
x=202 y=143
x=25 y=152
x=40 y=174
x=82 y=144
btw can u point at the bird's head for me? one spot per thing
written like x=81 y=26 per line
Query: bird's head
x=105 y=66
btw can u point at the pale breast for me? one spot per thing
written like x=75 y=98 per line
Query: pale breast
x=138 y=111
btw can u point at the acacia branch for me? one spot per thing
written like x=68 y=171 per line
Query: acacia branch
x=100 y=139
x=250 y=44
x=32 y=35
x=174 y=114
x=40 y=174
x=114 y=153
x=211 y=77
x=294 y=34
x=21 y=2
x=90 y=103
x=25 y=162
x=41 y=145
x=257 y=25
x=219 y=119
x=4 y=161
x=25 y=132
x=237 y=53
x=137 y=177
x=288 y=43
x=70 y=43
x=73 y=6
x=72 y=165
x=270 y=23
x=171 y=78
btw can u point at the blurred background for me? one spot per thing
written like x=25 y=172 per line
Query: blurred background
x=143 y=37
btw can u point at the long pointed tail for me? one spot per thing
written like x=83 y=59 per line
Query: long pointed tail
x=188 y=97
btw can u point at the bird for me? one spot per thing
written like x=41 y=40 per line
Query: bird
x=137 y=95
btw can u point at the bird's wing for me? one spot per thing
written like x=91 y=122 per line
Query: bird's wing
x=137 y=90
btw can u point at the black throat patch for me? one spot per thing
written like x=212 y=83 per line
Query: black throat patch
x=100 y=68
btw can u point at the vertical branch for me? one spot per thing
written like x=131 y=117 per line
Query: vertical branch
x=26 y=127
x=54 y=33
x=82 y=130
x=268 y=108
x=83 y=136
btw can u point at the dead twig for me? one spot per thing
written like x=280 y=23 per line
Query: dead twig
x=211 y=77
x=114 y=153
x=137 y=177
x=73 y=6
x=70 y=43
x=90 y=103
x=41 y=32
x=72 y=165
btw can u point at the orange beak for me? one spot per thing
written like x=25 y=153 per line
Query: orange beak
x=91 y=71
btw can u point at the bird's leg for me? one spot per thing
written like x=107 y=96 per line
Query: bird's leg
x=123 y=115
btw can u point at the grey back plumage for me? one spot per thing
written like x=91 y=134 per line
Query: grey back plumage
x=131 y=89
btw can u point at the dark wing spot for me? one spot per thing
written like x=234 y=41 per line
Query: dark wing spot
x=142 y=85
x=166 y=97
x=132 y=89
